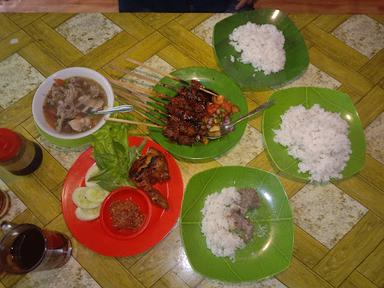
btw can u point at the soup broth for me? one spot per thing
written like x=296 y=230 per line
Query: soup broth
x=68 y=101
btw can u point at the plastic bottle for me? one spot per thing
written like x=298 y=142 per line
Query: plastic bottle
x=18 y=155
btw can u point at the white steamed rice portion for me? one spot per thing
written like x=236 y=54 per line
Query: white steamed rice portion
x=216 y=223
x=259 y=45
x=318 y=138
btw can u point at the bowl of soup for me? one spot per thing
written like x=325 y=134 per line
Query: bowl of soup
x=62 y=103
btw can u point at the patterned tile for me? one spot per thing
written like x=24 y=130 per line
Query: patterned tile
x=374 y=135
x=315 y=77
x=16 y=206
x=250 y=145
x=362 y=33
x=18 y=78
x=185 y=272
x=71 y=275
x=155 y=62
x=326 y=212
x=268 y=283
x=205 y=29
x=88 y=31
x=66 y=156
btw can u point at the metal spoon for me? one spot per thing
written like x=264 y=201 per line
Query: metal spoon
x=121 y=108
x=224 y=129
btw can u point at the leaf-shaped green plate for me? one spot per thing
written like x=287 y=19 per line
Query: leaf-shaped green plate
x=330 y=100
x=270 y=250
x=220 y=83
x=297 y=59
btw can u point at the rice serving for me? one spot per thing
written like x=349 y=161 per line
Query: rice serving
x=318 y=138
x=216 y=223
x=260 y=45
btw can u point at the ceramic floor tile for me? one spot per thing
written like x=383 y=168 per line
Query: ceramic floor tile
x=16 y=205
x=374 y=135
x=88 y=31
x=205 y=29
x=250 y=145
x=362 y=33
x=155 y=62
x=325 y=212
x=71 y=275
x=18 y=78
x=315 y=77
x=65 y=156
x=185 y=272
x=268 y=283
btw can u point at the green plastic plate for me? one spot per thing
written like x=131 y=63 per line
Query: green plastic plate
x=244 y=75
x=270 y=250
x=219 y=83
x=330 y=100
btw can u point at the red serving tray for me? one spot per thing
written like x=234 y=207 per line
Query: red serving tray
x=91 y=233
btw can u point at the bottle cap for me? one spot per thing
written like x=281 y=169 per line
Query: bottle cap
x=10 y=144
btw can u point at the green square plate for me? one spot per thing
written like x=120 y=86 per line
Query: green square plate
x=330 y=100
x=270 y=250
x=244 y=75
x=220 y=83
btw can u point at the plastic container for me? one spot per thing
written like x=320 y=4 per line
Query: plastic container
x=19 y=155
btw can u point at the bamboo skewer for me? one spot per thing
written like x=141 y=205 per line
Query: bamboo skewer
x=133 y=122
x=167 y=75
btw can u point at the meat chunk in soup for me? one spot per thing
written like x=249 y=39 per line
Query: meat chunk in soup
x=68 y=102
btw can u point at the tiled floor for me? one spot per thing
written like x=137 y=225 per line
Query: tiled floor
x=339 y=234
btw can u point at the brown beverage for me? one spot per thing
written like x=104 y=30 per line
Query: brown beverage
x=26 y=247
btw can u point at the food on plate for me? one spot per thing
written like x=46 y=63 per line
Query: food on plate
x=93 y=171
x=87 y=214
x=126 y=214
x=149 y=169
x=88 y=201
x=224 y=223
x=68 y=101
x=318 y=139
x=193 y=114
x=120 y=165
x=262 y=46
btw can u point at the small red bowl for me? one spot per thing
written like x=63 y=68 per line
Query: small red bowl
x=138 y=197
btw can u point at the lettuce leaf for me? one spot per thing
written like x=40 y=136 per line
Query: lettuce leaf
x=113 y=155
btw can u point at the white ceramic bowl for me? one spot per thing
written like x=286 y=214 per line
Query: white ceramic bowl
x=42 y=91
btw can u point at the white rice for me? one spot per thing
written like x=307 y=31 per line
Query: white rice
x=318 y=138
x=260 y=45
x=216 y=223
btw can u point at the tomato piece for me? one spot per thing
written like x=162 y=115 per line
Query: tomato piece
x=212 y=107
x=59 y=82
x=218 y=99
x=227 y=106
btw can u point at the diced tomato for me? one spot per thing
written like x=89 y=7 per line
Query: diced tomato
x=59 y=82
x=219 y=99
x=227 y=106
x=212 y=107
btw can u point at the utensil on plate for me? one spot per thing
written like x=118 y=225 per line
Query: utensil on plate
x=226 y=128
x=121 y=108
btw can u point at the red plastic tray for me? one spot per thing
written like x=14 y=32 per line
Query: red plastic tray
x=91 y=233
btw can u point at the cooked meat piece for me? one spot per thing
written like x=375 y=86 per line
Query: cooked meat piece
x=249 y=198
x=148 y=170
x=80 y=124
x=242 y=225
x=186 y=112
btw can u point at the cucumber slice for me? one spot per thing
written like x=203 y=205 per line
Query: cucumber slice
x=87 y=214
x=78 y=197
x=96 y=194
x=93 y=171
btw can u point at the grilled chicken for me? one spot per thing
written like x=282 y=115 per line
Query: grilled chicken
x=148 y=170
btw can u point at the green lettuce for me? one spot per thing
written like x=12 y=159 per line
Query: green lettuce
x=113 y=155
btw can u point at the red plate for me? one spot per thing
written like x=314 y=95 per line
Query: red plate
x=91 y=233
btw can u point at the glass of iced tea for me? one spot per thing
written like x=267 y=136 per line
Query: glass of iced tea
x=26 y=247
